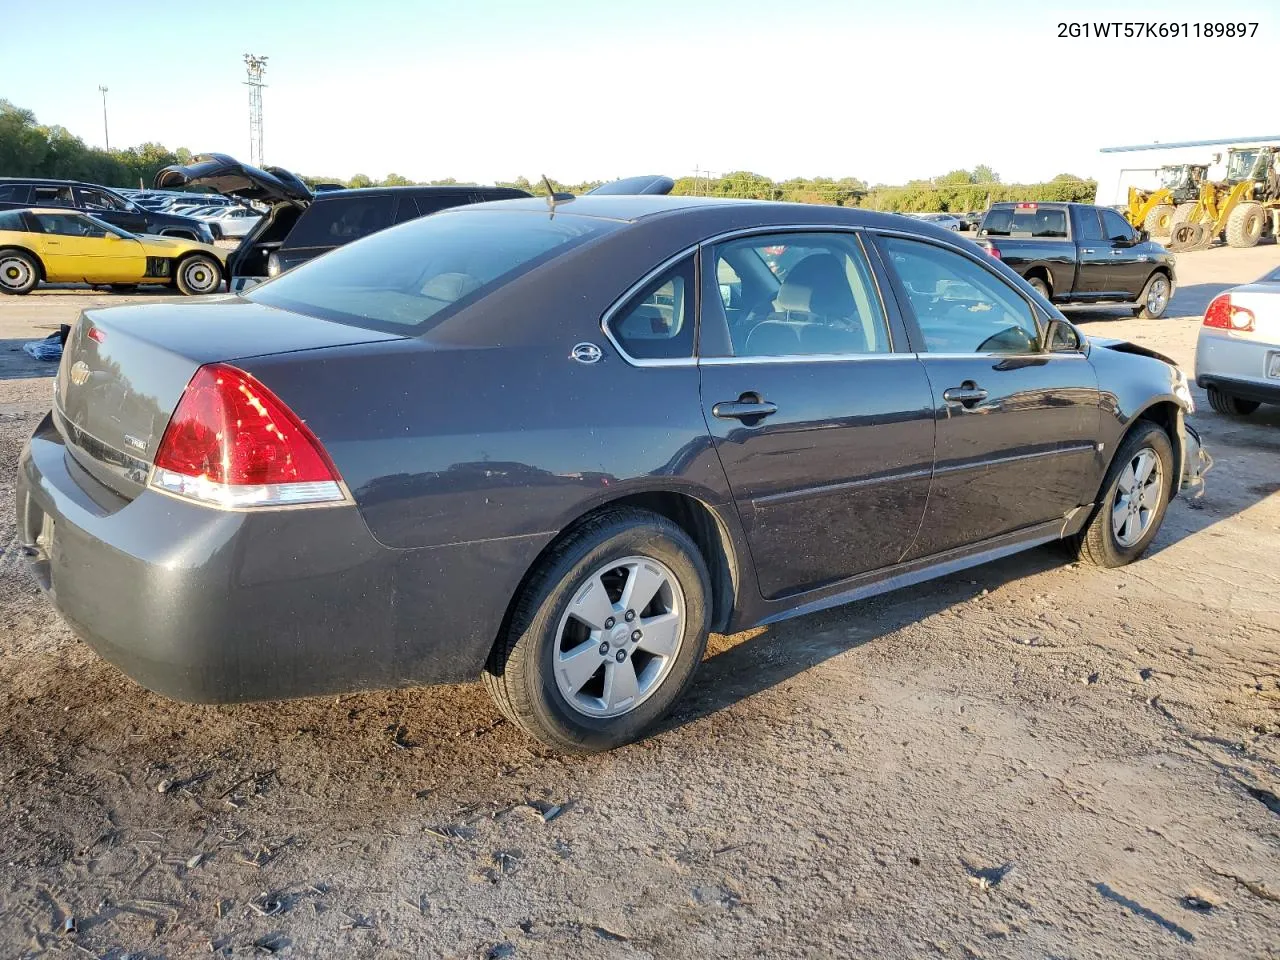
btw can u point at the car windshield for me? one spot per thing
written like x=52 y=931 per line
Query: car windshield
x=407 y=279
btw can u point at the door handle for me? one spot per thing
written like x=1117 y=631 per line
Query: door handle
x=1117 y=253
x=1087 y=250
x=51 y=243
x=750 y=408
x=967 y=394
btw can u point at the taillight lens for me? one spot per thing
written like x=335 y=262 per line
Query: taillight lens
x=234 y=443
x=1225 y=315
x=994 y=251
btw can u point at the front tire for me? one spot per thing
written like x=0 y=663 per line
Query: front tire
x=19 y=272
x=1159 y=221
x=1155 y=298
x=1230 y=406
x=1136 y=494
x=606 y=635
x=1244 y=225
x=198 y=274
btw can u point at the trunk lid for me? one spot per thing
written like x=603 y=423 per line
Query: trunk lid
x=125 y=368
x=231 y=178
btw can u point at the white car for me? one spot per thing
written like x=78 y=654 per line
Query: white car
x=1238 y=352
x=235 y=221
x=944 y=220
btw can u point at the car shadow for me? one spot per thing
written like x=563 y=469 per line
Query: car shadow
x=1189 y=301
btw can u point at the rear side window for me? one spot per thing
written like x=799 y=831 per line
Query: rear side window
x=406 y=209
x=657 y=323
x=1090 y=228
x=53 y=197
x=429 y=203
x=11 y=220
x=15 y=193
x=331 y=223
x=1048 y=223
x=408 y=279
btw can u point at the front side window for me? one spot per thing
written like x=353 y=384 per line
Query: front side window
x=98 y=200
x=799 y=294
x=69 y=225
x=408 y=279
x=657 y=323
x=961 y=307
x=1115 y=226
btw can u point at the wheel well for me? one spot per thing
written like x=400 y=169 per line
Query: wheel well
x=1041 y=273
x=690 y=515
x=31 y=253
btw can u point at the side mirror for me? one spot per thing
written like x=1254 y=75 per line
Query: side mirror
x=1061 y=337
x=1143 y=236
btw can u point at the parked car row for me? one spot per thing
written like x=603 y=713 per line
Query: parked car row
x=678 y=415
x=101 y=202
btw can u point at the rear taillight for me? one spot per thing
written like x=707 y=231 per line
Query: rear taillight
x=234 y=443
x=993 y=250
x=1225 y=315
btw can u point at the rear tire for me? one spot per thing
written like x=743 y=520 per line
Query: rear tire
x=1127 y=520
x=530 y=673
x=19 y=272
x=1244 y=225
x=198 y=274
x=1227 y=405
x=1155 y=298
x=1159 y=221
x=1038 y=285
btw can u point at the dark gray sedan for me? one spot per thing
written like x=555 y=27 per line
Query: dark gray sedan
x=555 y=447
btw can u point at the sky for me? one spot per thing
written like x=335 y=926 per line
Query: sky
x=489 y=90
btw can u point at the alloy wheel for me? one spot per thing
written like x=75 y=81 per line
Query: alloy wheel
x=618 y=640
x=1137 y=501
x=1158 y=296
x=15 y=272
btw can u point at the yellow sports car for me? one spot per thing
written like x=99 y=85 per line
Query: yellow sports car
x=65 y=246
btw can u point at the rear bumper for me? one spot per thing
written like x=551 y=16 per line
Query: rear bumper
x=1236 y=365
x=1253 y=389
x=218 y=606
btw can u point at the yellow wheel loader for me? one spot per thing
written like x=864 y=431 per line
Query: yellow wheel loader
x=1242 y=209
x=1156 y=210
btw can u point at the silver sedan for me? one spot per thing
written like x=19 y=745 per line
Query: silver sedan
x=1238 y=352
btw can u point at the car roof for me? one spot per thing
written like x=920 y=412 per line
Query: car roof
x=47 y=181
x=412 y=188
x=725 y=212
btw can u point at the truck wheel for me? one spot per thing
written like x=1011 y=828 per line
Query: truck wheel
x=1134 y=497
x=1186 y=236
x=1229 y=406
x=1182 y=213
x=1159 y=221
x=1244 y=226
x=606 y=635
x=1155 y=298
x=19 y=272
x=1038 y=285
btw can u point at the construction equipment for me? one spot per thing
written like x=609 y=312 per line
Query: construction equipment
x=1243 y=208
x=1156 y=210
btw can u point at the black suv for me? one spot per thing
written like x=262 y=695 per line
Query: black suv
x=302 y=224
x=101 y=202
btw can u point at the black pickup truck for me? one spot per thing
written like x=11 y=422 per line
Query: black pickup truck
x=1076 y=254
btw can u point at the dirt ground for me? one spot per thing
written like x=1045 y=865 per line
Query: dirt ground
x=1031 y=759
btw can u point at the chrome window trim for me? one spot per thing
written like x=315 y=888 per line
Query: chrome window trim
x=635 y=288
x=806 y=358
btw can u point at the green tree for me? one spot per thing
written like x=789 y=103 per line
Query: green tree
x=395 y=180
x=955 y=177
x=985 y=174
x=360 y=180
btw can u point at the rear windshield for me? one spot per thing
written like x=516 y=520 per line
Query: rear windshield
x=1045 y=222
x=331 y=223
x=409 y=278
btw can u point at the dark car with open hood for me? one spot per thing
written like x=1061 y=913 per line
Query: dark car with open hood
x=553 y=443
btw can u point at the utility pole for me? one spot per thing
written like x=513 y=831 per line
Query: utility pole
x=105 y=136
x=255 y=66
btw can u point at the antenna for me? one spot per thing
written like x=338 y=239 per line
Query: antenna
x=551 y=195
x=254 y=67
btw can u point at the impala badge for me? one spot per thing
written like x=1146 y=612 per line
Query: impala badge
x=80 y=373
x=582 y=352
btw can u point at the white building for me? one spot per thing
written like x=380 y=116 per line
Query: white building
x=1139 y=166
